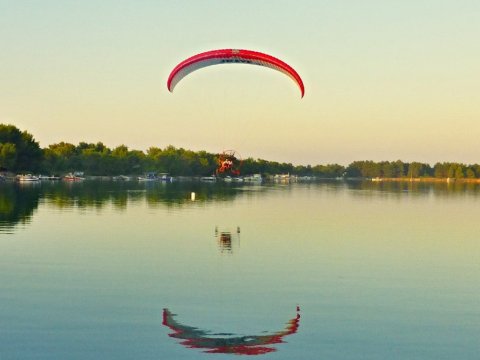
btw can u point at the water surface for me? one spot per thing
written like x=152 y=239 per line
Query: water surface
x=105 y=270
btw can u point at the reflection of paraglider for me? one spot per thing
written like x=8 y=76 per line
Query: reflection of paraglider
x=225 y=239
x=231 y=56
x=229 y=163
x=192 y=337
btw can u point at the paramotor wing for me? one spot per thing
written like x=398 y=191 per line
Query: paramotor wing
x=231 y=56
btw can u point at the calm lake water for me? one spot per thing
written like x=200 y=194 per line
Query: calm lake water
x=333 y=270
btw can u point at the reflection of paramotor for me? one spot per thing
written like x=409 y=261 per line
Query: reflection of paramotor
x=229 y=163
x=226 y=239
x=196 y=338
x=231 y=56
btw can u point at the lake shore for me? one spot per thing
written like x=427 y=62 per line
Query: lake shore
x=425 y=179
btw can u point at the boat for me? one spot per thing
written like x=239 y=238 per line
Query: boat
x=121 y=178
x=165 y=177
x=208 y=178
x=76 y=176
x=148 y=177
x=255 y=178
x=285 y=178
x=49 y=177
x=306 y=178
x=27 y=178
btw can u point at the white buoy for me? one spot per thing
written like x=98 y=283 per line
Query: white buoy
x=192 y=196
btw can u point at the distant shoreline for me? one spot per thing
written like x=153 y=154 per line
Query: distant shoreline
x=11 y=177
x=21 y=154
x=425 y=179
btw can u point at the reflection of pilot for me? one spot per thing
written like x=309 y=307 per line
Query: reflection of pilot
x=242 y=345
x=225 y=239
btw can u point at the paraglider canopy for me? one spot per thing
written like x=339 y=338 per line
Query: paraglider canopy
x=231 y=56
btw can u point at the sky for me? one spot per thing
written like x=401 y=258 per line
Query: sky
x=384 y=80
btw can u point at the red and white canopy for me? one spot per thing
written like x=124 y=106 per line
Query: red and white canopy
x=231 y=56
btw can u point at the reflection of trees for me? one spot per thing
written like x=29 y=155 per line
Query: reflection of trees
x=18 y=201
x=87 y=194
x=99 y=193
x=415 y=188
x=178 y=193
x=196 y=338
x=17 y=204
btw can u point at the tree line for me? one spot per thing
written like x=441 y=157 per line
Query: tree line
x=399 y=169
x=19 y=152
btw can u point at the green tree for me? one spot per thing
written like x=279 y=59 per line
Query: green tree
x=328 y=171
x=451 y=170
x=28 y=153
x=120 y=151
x=8 y=155
x=459 y=174
x=388 y=169
x=440 y=170
x=59 y=157
x=470 y=173
x=399 y=167
x=416 y=169
x=476 y=169
x=368 y=169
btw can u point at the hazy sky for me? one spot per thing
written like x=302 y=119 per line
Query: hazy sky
x=385 y=80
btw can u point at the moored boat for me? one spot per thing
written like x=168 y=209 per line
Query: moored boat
x=74 y=177
x=27 y=178
x=208 y=178
x=255 y=178
x=121 y=178
x=165 y=177
x=148 y=177
x=49 y=177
